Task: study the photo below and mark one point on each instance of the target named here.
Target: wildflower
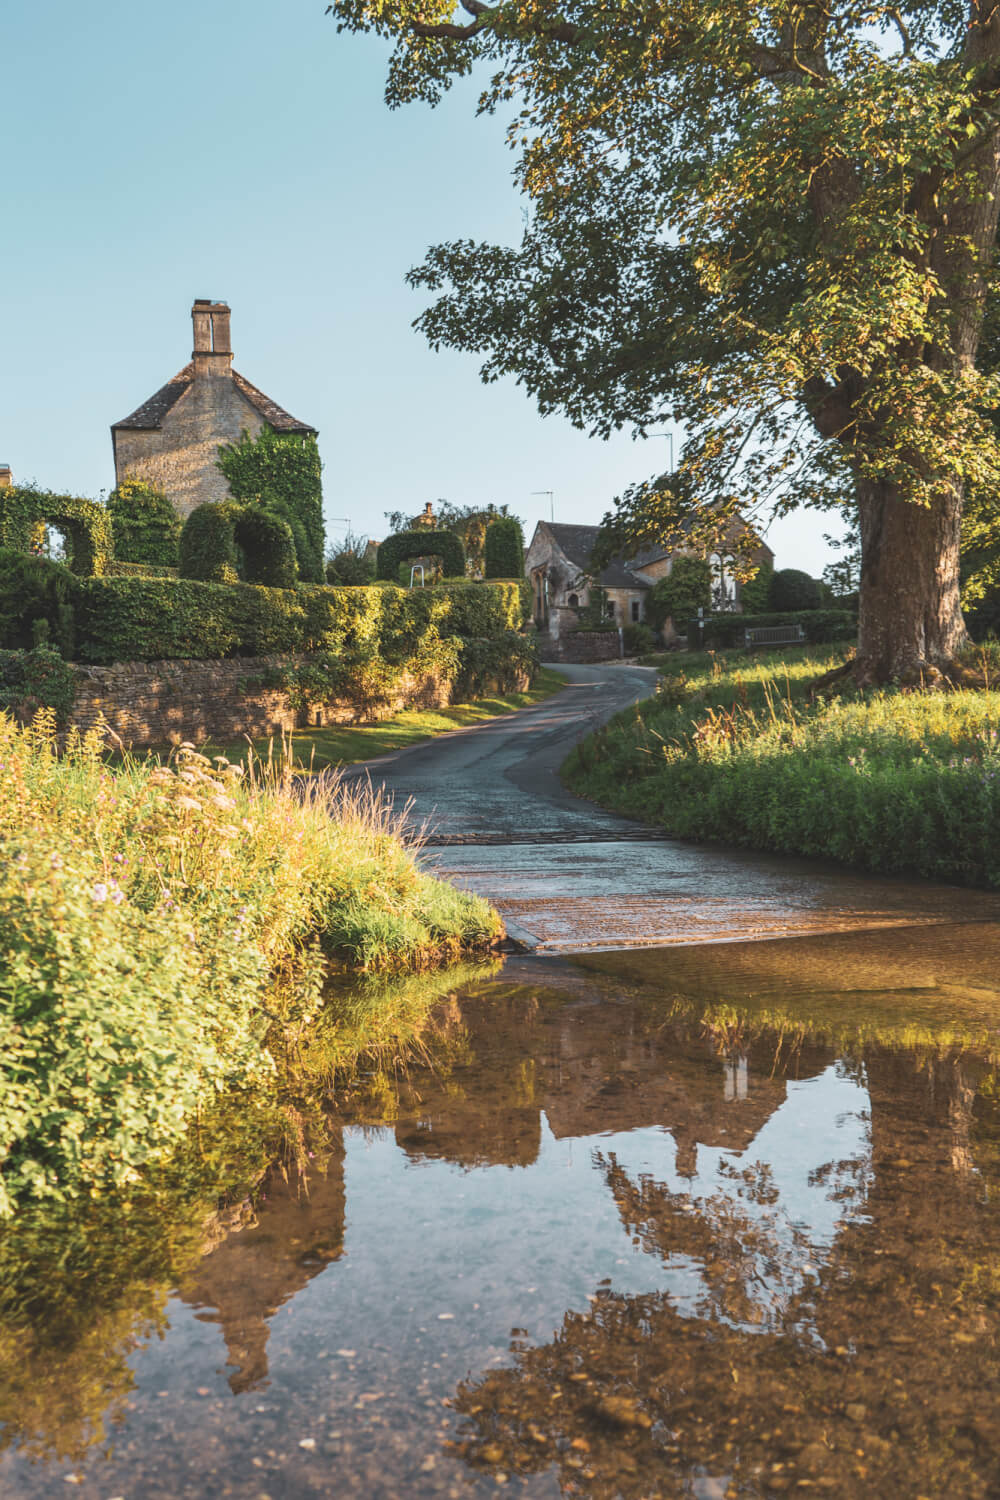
(100, 892)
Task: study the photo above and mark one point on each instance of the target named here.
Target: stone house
(557, 563)
(172, 440)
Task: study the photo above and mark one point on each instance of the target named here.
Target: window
(610, 609)
(573, 601)
(635, 611)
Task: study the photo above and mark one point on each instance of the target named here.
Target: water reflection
(712, 1222)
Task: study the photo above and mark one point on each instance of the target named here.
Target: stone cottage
(558, 564)
(172, 440)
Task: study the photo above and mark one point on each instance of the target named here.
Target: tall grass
(158, 921)
(737, 750)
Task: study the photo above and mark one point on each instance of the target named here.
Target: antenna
(552, 502)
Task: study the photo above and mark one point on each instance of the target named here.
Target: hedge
(157, 619)
(224, 542)
(85, 525)
(37, 603)
(503, 549)
(280, 472)
(819, 625)
(145, 525)
(423, 542)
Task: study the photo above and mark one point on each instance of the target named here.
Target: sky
(241, 150)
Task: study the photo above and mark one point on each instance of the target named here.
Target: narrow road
(568, 876)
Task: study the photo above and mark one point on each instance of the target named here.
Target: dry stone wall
(581, 646)
(163, 702)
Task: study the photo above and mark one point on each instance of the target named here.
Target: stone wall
(163, 702)
(581, 646)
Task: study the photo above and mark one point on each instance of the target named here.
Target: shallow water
(707, 1222)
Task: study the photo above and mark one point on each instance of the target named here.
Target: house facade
(557, 563)
(172, 440)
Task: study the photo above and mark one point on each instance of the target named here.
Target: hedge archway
(25, 511)
(403, 545)
(223, 543)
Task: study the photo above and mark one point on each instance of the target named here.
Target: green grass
(338, 745)
(734, 748)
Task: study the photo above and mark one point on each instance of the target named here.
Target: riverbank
(733, 748)
(162, 925)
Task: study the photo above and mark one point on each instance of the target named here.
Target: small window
(573, 601)
(610, 611)
(635, 611)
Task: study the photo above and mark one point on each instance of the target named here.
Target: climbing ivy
(224, 543)
(281, 473)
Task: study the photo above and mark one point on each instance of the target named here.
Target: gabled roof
(151, 413)
(577, 543)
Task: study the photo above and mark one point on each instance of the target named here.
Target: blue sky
(241, 150)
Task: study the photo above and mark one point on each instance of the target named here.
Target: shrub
(819, 625)
(423, 542)
(281, 472)
(37, 599)
(503, 549)
(25, 512)
(223, 543)
(144, 524)
(755, 593)
(686, 589)
(638, 640)
(791, 589)
(496, 665)
(39, 678)
(353, 563)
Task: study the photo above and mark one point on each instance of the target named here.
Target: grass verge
(732, 748)
(346, 744)
(160, 923)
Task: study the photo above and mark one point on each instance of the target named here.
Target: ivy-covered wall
(281, 472)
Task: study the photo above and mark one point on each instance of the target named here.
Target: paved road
(568, 876)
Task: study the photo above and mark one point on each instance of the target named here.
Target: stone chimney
(213, 352)
(6, 477)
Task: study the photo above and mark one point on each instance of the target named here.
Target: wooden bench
(774, 635)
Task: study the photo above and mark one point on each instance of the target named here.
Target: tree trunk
(910, 619)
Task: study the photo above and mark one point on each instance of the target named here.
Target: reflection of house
(558, 564)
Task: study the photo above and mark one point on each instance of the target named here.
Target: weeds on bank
(158, 921)
(736, 749)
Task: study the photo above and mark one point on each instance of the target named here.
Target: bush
(224, 543)
(638, 640)
(756, 592)
(791, 589)
(280, 472)
(496, 665)
(37, 599)
(353, 564)
(25, 512)
(423, 542)
(686, 589)
(144, 524)
(503, 549)
(40, 678)
(819, 625)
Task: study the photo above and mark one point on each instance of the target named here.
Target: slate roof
(577, 543)
(151, 413)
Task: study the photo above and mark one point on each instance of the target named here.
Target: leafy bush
(26, 511)
(755, 593)
(353, 563)
(280, 472)
(496, 665)
(162, 928)
(820, 625)
(144, 524)
(225, 543)
(39, 678)
(638, 640)
(503, 549)
(791, 589)
(892, 782)
(686, 589)
(118, 569)
(36, 602)
(423, 542)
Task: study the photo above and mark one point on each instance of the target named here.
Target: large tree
(772, 222)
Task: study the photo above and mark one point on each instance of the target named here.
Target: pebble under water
(715, 1221)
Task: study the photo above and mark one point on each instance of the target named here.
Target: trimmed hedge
(26, 511)
(158, 619)
(37, 599)
(280, 472)
(145, 526)
(791, 589)
(503, 549)
(819, 625)
(226, 543)
(423, 542)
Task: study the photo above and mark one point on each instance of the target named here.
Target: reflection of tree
(875, 1374)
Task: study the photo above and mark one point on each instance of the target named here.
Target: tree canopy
(773, 224)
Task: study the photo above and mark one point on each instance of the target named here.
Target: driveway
(567, 876)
